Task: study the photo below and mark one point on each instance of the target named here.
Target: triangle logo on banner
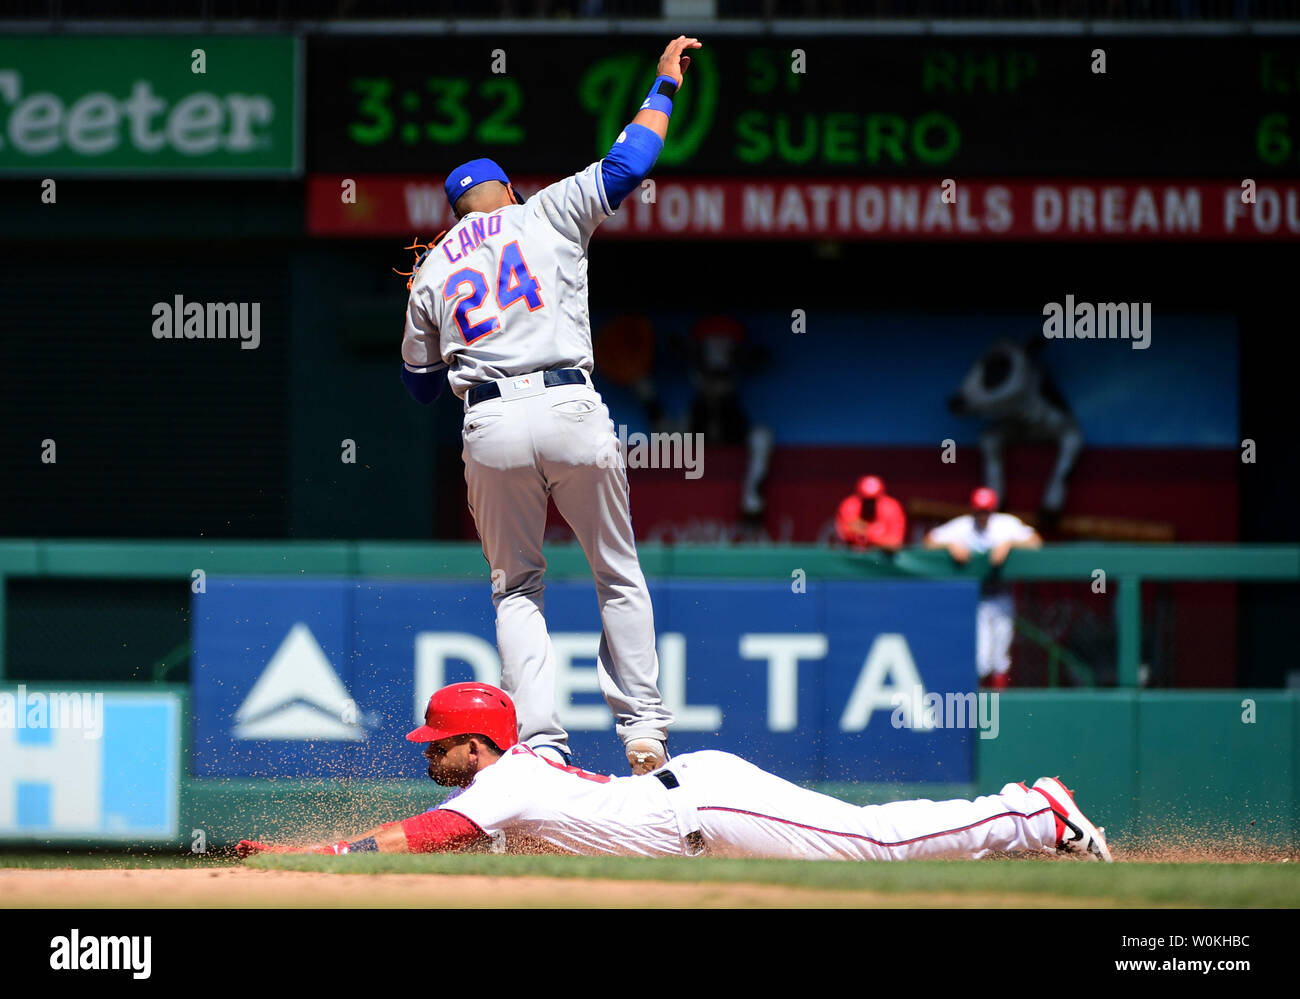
(299, 697)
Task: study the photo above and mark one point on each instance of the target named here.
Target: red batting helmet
(984, 498)
(870, 486)
(469, 709)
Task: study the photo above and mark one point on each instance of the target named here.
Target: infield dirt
(239, 887)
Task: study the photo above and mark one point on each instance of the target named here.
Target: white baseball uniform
(503, 298)
(995, 616)
(727, 807)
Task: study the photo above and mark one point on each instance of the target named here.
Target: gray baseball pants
(560, 442)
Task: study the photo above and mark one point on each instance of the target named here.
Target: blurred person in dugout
(985, 530)
(870, 518)
(721, 354)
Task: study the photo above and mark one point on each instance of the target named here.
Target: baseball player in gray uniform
(499, 306)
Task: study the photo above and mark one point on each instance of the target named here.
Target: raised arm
(576, 205)
(638, 146)
(672, 67)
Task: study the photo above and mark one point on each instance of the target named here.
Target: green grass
(1237, 885)
(1140, 884)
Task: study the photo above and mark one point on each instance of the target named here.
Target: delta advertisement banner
(814, 681)
(855, 208)
(147, 105)
(89, 764)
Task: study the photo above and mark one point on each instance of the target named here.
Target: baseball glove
(422, 251)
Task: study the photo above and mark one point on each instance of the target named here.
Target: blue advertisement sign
(89, 765)
(832, 681)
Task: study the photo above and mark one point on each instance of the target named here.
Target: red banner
(857, 209)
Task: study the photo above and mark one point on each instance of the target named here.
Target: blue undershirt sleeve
(629, 159)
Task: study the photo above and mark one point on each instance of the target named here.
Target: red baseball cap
(984, 498)
(870, 486)
(469, 709)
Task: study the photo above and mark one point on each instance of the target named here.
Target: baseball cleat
(645, 755)
(1079, 836)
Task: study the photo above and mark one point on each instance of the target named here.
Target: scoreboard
(822, 105)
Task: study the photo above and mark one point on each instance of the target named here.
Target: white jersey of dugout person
(1002, 528)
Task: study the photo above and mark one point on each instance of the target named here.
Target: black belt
(695, 840)
(562, 376)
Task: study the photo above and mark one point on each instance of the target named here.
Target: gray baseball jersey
(505, 293)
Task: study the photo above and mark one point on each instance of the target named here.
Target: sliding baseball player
(700, 803)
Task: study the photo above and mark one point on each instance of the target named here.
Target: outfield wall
(1161, 766)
